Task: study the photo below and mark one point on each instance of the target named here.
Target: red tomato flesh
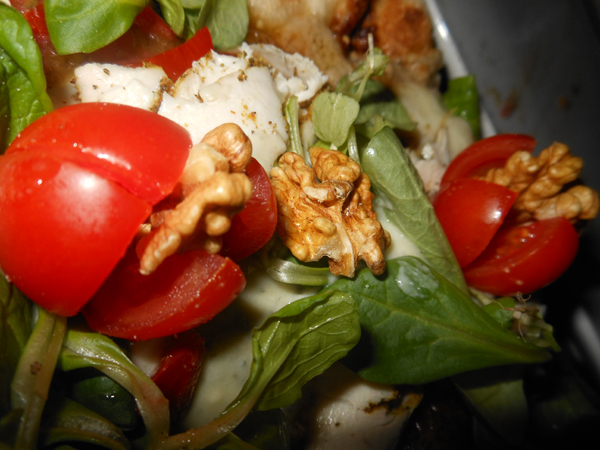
(485, 154)
(179, 59)
(63, 228)
(254, 226)
(470, 212)
(179, 369)
(524, 258)
(140, 150)
(186, 290)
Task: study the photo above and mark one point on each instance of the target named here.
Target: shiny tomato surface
(254, 226)
(524, 258)
(186, 290)
(470, 212)
(485, 154)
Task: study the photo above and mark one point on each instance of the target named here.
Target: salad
(220, 231)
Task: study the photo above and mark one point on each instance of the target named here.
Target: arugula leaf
(333, 114)
(15, 329)
(292, 346)
(422, 328)
(87, 25)
(172, 11)
(23, 96)
(395, 178)
(227, 20)
(86, 349)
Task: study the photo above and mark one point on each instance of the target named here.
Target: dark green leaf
(292, 346)
(87, 25)
(23, 96)
(395, 178)
(421, 327)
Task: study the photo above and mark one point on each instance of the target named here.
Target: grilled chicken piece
(314, 28)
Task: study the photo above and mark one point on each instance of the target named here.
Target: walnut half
(332, 217)
(540, 183)
(211, 190)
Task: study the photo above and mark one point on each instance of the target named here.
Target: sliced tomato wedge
(140, 150)
(524, 258)
(179, 369)
(185, 291)
(179, 59)
(254, 226)
(485, 154)
(470, 212)
(63, 228)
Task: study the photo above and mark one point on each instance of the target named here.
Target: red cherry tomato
(63, 228)
(74, 188)
(185, 291)
(138, 149)
(179, 59)
(524, 258)
(179, 369)
(470, 212)
(252, 228)
(485, 154)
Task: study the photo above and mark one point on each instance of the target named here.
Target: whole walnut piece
(210, 191)
(332, 216)
(540, 182)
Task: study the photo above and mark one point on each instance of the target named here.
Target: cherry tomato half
(485, 154)
(74, 188)
(254, 226)
(186, 290)
(470, 212)
(63, 228)
(140, 150)
(524, 258)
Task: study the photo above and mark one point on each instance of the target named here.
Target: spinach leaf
(333, 114)
(292, 346)
(356, 81)
(15, 329)
(462, 100)
(87, 25)
(23, 96)
(420, 327)
(291, 116)
(395, 178)
(172, 11)
(227, 20)
(83, 349)
(31, 383)
(374, 116)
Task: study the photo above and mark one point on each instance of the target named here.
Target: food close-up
(280, 224)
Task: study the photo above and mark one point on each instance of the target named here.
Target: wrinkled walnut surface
(330, 216)
(210, 191)
(540, 182)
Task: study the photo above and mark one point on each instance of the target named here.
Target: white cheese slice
(141, 86)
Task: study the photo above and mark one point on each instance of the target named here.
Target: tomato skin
(524, 258)
(186, 290)
(140, 150)
(59, 237)
(254, 226)
(179, 59)
(491, 152)
(179, 369)
(470, 212)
